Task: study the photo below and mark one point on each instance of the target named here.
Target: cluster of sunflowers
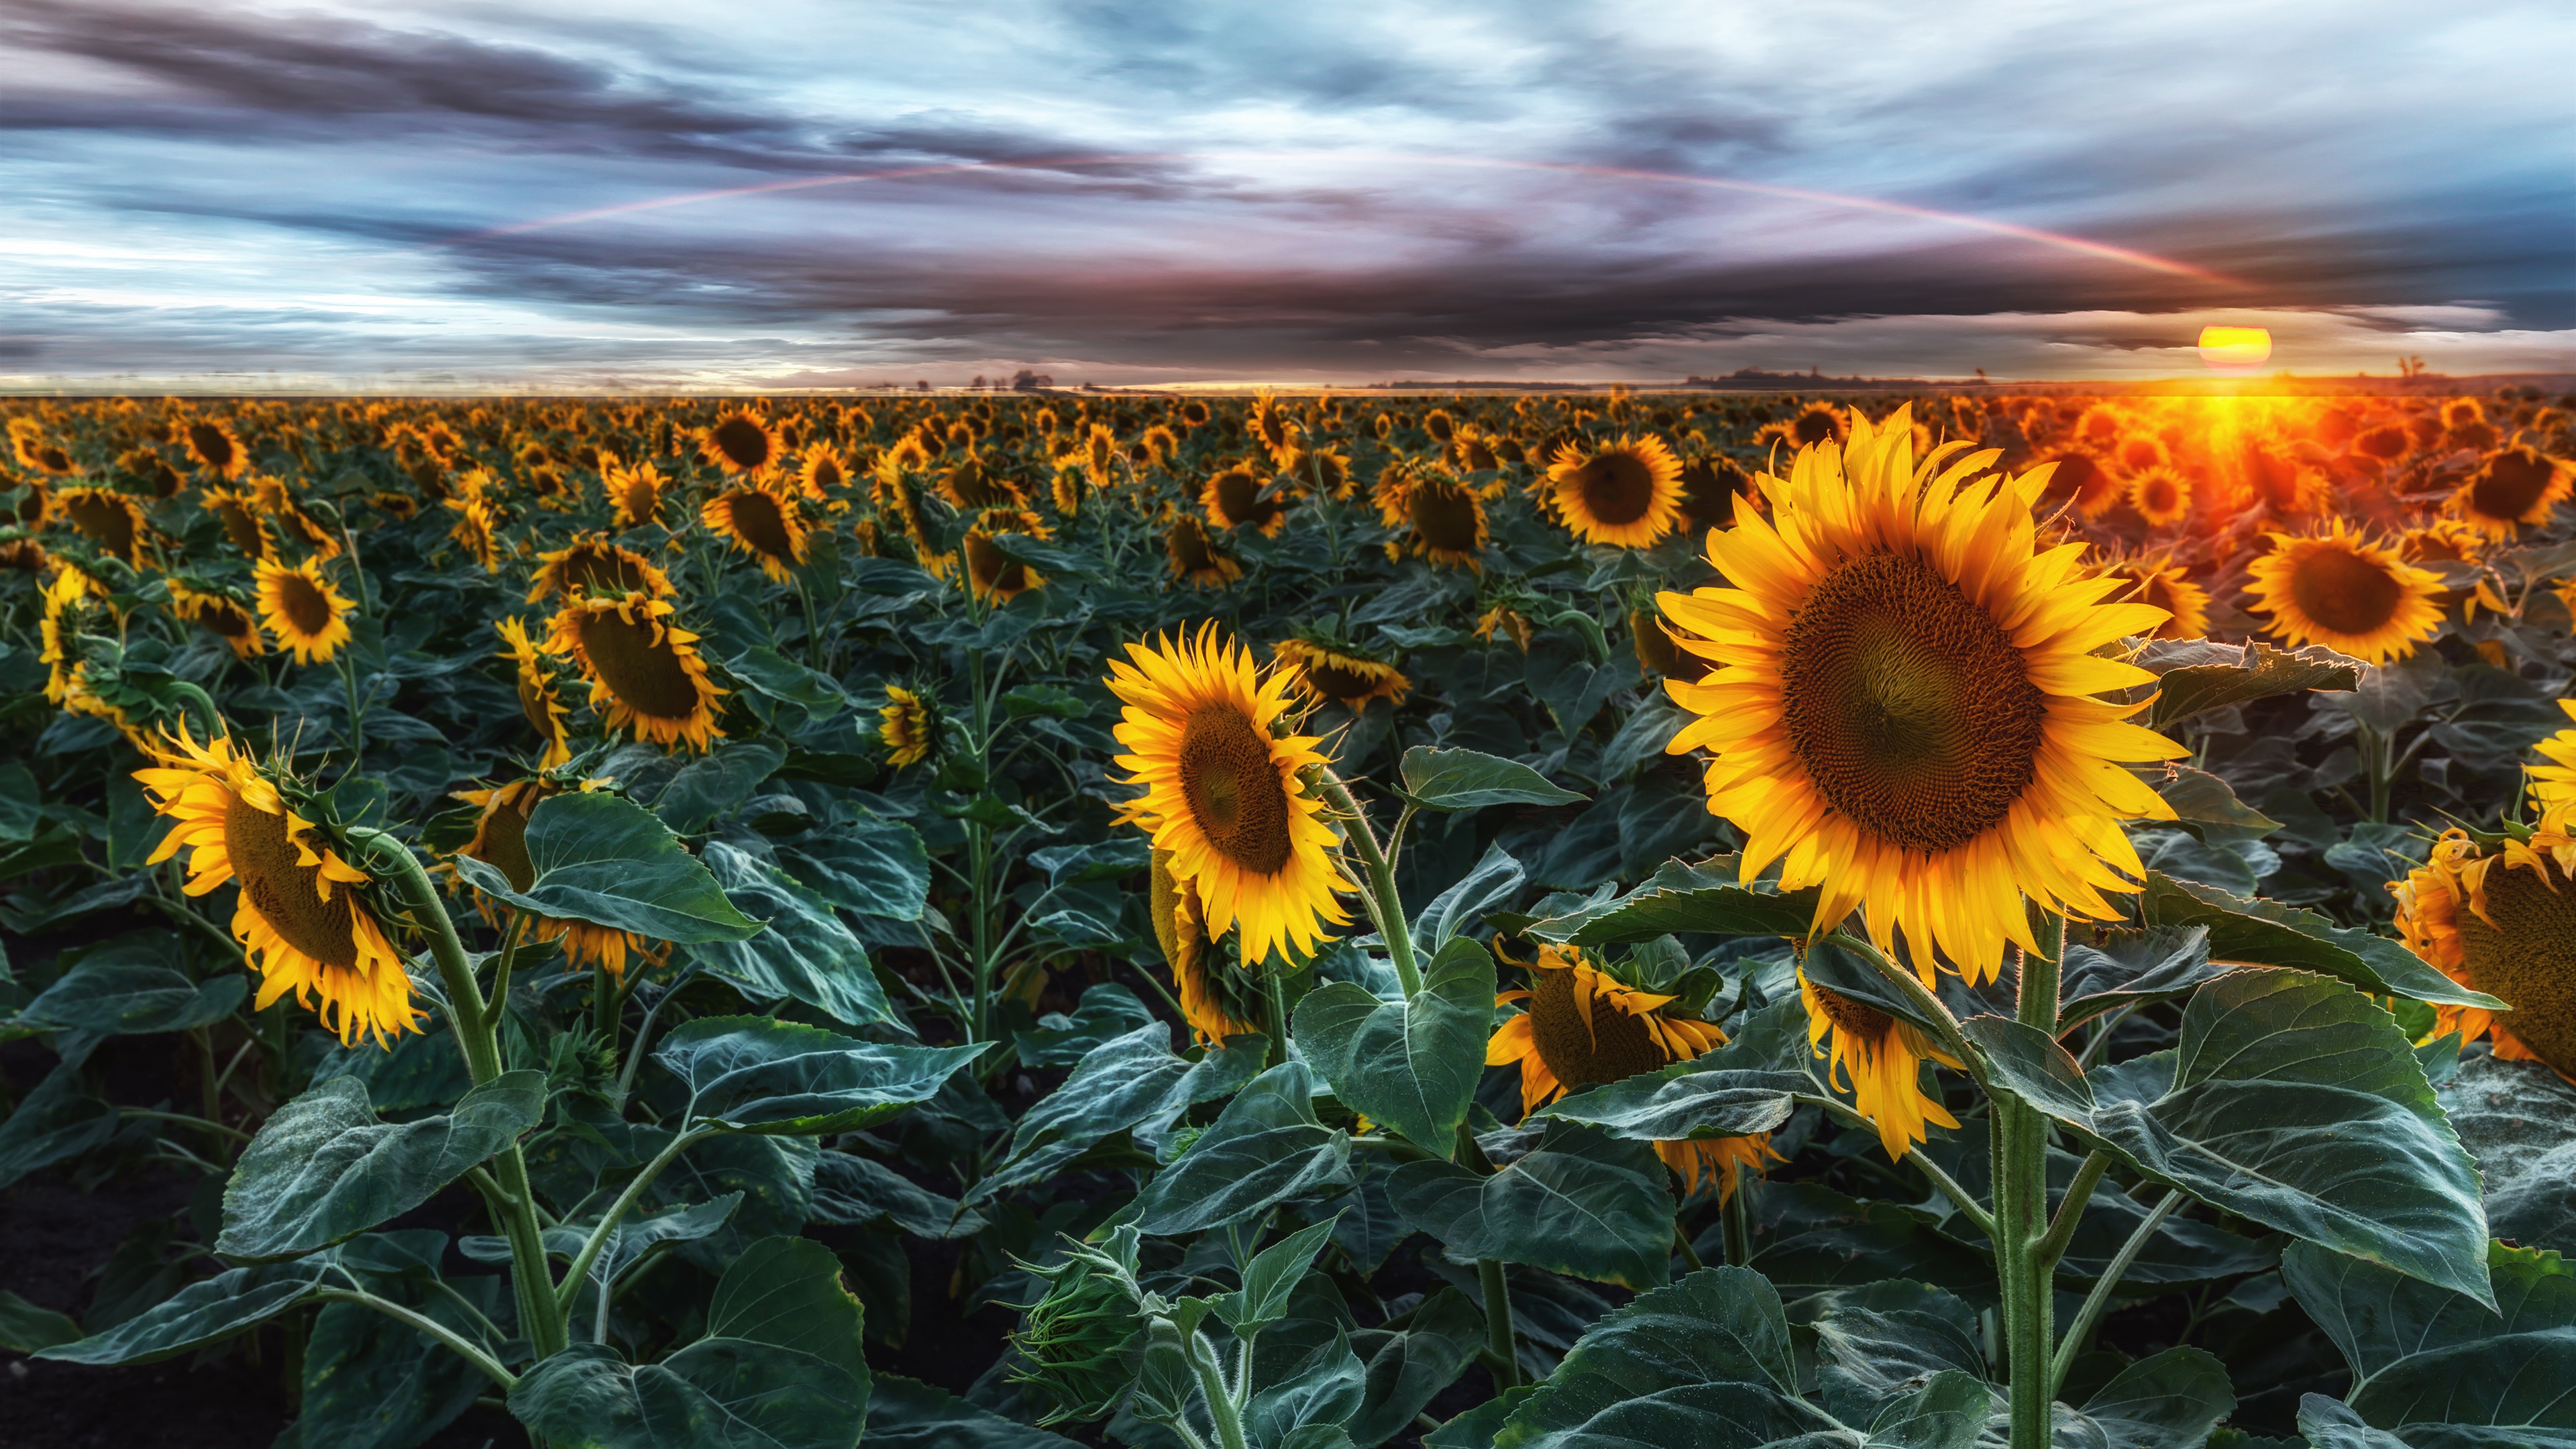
(1951, 685)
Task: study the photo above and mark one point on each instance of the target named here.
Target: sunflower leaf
(1737, 1089)
(1411, 1065)
(2258, 932)
(1682, 899)
(607, 861)
(2421, 1355)
(1584, 1204)
(2197, 676)
(806, 953)
(1266, 1147)
(199, 1314)
(1470, 780)
(760, 1075)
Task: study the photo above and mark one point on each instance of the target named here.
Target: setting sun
(2235, 349)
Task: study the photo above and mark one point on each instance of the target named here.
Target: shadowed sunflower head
(2077, 478)
(642, 667)
(970, 487)
(38, 450)
(1438, 516)
(538, 703)
(1225, 791)
(2444, 540)
(635, 493)
(242, 527)
(1627, 493)
(2511, 488)
(760, 521)
(303, 913)
(2501, 918)
(1215, 1003)
(111, 520)
(214, 447)
(995, 576)
(908, 726)
(742, 443)
(1879, 1060)
(500, 841)
(220, 614)
(1905, 712)
(1340, 672)
(476, 530)
(2340, 589)
(1234, 498)
(593, 564)
(309, 617)
(1194, 556)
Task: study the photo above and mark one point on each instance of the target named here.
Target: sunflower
(1438, 516)
(742, 443)
(2444, 540)
(1224, 793)
(1581, 1027)
(474, 530)
(636, 494)
(1317, 471)
(1815, 423)
(220, 614)
(1906, 715)
(2078, 479)
(1270, 426)
(761, 522)
(1627, 493)
(1098, 456)
(302, 913)
(111, 520)
(994, 576)
(2499, 918)
(1210, 1001)
(1234, 498)
(37, 451)
(2161, 495)
(309, 617)
(2512, 487)
(1335, 671)
(66, 589)
(1710, 486)
(1505, 620)
(501, 842)
(1194, 555)
(277, 501)
(536, 685)
(1474, 450)
(907, 725)
(2339, 589)
(1879, 1060)
(2165, 586)
(592, 564)
(216, 448)
(1656, 651)
(240, 518)
(823, 472)
(641, 668)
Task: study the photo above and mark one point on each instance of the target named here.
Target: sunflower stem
(423, 1323)
(2025, 1270)
(1503, 1363)
(2100, 1297)
(1385, 907)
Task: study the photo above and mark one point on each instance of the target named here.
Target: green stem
(1385, 907)
(2019, 1137)
(2070, 1211)
(1504, 1364)
(608, 1221)
(235, 1133)
(2100, 1298)
(1948, 1186)
(425, 1324)
(1689, 1254)
(1213, 1388)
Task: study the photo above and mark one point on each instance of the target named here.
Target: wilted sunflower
(475, 530)
(1194, 556)
(302, 914)
(242, 528)
(1340, 673)
(538, 702)
(2341, 590)
(2512, 487)
(742, 443)
(1627, 493)
(1211, 1000)
(907, 725)
(501, 842)
(636, 493)
(1905, 716)
(1582, 1027)
(992, 575)
(594, 564)
(1438, 516)
(309, 617)
(2165, 586)
(111, 520)
(1225, 794)
(763, 523)
(823, 472)
(642, 668)
(1879, 1059)
(220, 614)
(2495, 913)
(1507, 621)
(2161, 495)
(215, 447)
(1234, 498)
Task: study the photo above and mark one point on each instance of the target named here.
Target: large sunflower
(2512, 487)
(220, 614)
(109, 519)
(302, 913)
(1270, 426)
(1345, 676)
(2500, 918)
(535, 682)
(1581, 1027)
(1627, 493)
(823, 472)
(1905, 716)
(215, 447)
(1437, 516)
(907, 725)
(1224, 791)
(1879, 1060)
(1210, 1000)
(309, 617)
(763, 523)
(1194, 556)
(501, 842)
(742, 443)
(642, 668)
(594, 564)
(2339, 589)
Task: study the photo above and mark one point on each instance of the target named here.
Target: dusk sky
(560, 194)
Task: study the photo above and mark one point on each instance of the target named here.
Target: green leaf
(59, 1120)
(758, 1074)
(1107, 1011)
(128, 987)
(2208, 803)
(1413, 1066)
(873, 866)
(21, 804)
(2130, 968)
(1269, 1279)
(198, 1315)
(1741, 1088)
(909, 1414)
(2291, 1100)
(2327, 1424)
(787, 1292)
(2170, 1400)
(2519, 1120)
(785, 680)
(1703, 1362)
(1052, 701)
(1407, 1368)
(323, 1169)
(1582, 1204)
(1681, 899)
(2197, 676)
(806, 953)
(1265, 1148)
(1470, 780)
(853, 1191)
(2422, 1356)
(1306, 1407)
(26, 1328)
(1809, 1238)
(717, 1391)
(1131, 1082)
(608, 861)
(1877, 1344)
(373, 1382)
(2267, 933)
(717, 783)
(1495, 880)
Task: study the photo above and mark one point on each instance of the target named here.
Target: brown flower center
(105, 522)
(828, 474)
(1239, 500)
(1189, 546)
(210, 444)
(1855, 1021)
(642, 670)
(1616, 487)
(223, 618)
(502, 843)
(303, 604)
(995, 571)
(1611, 1046)
(2509, 485)
(1907, 703)
(1233, 788)
(1340, 682)
(758, 520)
(287, 894)
(2528, 957)
(1813, 426)
(240, 527)
(1444, 518)
(599, 568)
(643, 500)
(2343, 591)
(744, 443)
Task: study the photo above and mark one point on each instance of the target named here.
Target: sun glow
(2235, 349)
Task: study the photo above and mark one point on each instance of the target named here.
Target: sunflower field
(1291, 922)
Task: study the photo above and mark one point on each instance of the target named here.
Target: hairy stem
(1385, 907)
(2100, 1298)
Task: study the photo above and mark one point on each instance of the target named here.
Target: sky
(577, 194)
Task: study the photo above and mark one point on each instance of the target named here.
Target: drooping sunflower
(1194, 556)
(1439, 517)
(215, 447)
(242, 528)
(2162, 496)
(1582, 1027)
(2340, 589)
(109, 519)
(1879, 1060)
(970, 486)
(2165, 586)
(1211, 1000)
(594, 564)
(1224, 791)
(2512, 487)
(221, 615)
(309, 617)
(2496, 914)
(1627, 494)
(501, 842)
(538, 702)
(642, 668)
(994, 576)
(742, 443)
(908, 726)
(303, 916)
(278, 503)
(1905, 716)
(761, 522)
(1234, 498)
(476, 530)
(1507, 621)
(636, 494)
(1336, 671)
